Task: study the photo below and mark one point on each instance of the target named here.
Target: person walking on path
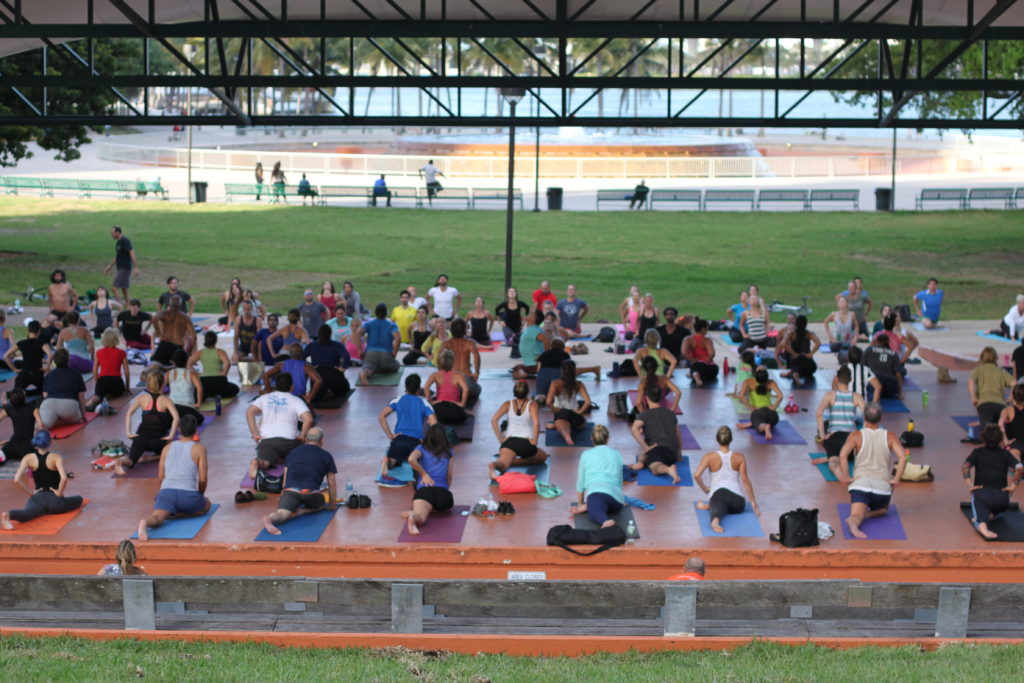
(124, 264)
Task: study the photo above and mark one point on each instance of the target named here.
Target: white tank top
(519, 425)
(872, 467)
(726, 477)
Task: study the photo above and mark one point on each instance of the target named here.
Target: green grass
(695, 261)
(70, 659)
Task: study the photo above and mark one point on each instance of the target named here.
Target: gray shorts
(122, 279)
(54, 411)
(276, 449)
(380, 361)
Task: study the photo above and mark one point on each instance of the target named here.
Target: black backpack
(798, 528)
(606, 335)
(912, 439)
(564, 536)
(268, 483)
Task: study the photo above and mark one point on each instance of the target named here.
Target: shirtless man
(62, 297)
(873, 481)
(464, 350)
(174, 330)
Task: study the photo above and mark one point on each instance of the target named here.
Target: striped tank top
(843, 416)
(757, 328)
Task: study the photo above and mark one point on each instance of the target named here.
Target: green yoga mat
(390, 379)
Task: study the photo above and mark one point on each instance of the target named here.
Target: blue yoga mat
(995, 337)
(181, 529)
(823, 467)
(724, 336)
(645, 478)
(306, 528)
(744, 525)
(581, 437)
(402, 473)
(783, 434)
(893, 405)
(6, 374)
(964, 420)
(921, 328)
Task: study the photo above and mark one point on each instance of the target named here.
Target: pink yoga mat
(444, 527)
(276, 470)
(64, 431)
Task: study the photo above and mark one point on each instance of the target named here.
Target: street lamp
(512, 96)
(539, 51)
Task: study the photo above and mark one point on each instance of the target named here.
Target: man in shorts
(657, 432)
(277, 434)
(873, 479)
(429, 173)
(305, 470)
(62, 298)
(175, 331)
(183, 464)
(411, 411)
(124, 263)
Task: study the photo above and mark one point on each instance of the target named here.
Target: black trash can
(883, 199)
(198, 192)
(554, 199)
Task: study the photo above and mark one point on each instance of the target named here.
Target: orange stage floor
(941, 545)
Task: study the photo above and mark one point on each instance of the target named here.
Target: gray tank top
(182, 391)
(179, 471)
(844, 330)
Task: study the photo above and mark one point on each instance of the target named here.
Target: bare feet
(768, 432)
(636, 467)
(608, 523)
(855, 528)
(269, 526)
(411, 523)
(492, 470)
(5, 521)
(985, 531)
(568, 439)
(716, 526)
(119, 468)
(253, 469)
(143, 531)
(701, 505)
(696, 379)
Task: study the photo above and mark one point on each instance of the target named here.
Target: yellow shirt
(404, 318)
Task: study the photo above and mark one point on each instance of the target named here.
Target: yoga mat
(666, 401)
(744, 525)
(1008, 526)
(646, 478)
(390, 379)
(181, 529)
(495, 374)
(964, 420)
(6, 374)
(687, 440)
(540, 470)
(893, 405)
(995, 337)
(332, 403)
(910, 385)
(922, 328)
(465, 430)
(8, 469)
(47, 525)
(247, 482)
(210, 405)
(142, 470)
(682, 378)
(307, 528)
(582, 338)
(441, 527)
(739, 406)
(488, 348)
(402, 473)
(783, 434)
(207, 421)
(622, 519)
(64, 431)
(581, 437)
(825, 348)
(823, 467)
(497, 336)
(885, 528)
(724, 336)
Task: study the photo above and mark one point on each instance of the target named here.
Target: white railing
(567, 167)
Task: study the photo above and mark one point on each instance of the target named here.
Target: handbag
(250, 372)
(268, 483)
(798, 528)
(517, 482)
(606, 538)
(547, 490)
(618, 404)
(914, 472)
(913, 439)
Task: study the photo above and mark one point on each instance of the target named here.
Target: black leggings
(142, 444)
(803, 366)
(449, 413)
(764, 416)
(707, 371)
(189, 410)
(725, 502)
(834, 442)
(46, 502)
(332, 380)
(988, 502)
(988, 413)
(218, 385)
(754, 343)
(29, 378)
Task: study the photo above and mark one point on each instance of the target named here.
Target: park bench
(448, 194)
(52, 185)
(14, 183)
(991, 194)
(729, 197)
(277, 192)
(144, 187)
(830, 608)
(958, 195)
(1018, 198)
(488, 194)
(800, 197)
(830, 196)
(121, 188)
(344, 192)
(675, 197)
(232, 190)
(615, 196)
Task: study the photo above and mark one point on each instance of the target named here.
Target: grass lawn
(696, 261)
(75, 659)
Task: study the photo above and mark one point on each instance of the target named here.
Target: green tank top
(760, 400)
(212, 366)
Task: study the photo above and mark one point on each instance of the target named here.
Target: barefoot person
(728, 471)
(763, 396)
(61, 297)
(599, 480)
(569, 400)
(174, 330)
(467, 359)
(699, 351)
(305, 470)
(657, 432)
(519, 440)
(873, 480)
(182, 474)
(992, 486)
(278, 432)
(46, 492)
(928, 303)
(159, 420)
(432, 463)
(412, 412)
(842, 406)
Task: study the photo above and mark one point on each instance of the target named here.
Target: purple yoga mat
(444, 527)
(247, 483)
(143, 470)
(783, 434)
(885, 528)
(687, 440)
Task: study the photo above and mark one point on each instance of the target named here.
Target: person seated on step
(450, 401)
(113, 374)
(800, 345)
(648, 376)
(411, 411)
(657, 431)
(35, 355)
(467, 359)
(699, 351)
(569, 400)
(305, 470)
(291, 333)
(185, 388)
(693, 570)
(216, 365)
(262, 350)
(842, 406)
(532, 342)
(873, 479)
(156, 427)
(404, 315)
(382, 343)
(278, 432)
(518, 436)
(672, 334)
(928, 303)
(183, 478)
(571, 311)
(329, 360)
(432, 463)
(63, 395)
(987, 387)
(887, 381)
(306, 381)
(993, 483)
(664, 360)
(174, 330)
(647, 319)
(77, 339)
(736, 312)
(729, 481)
(23, 425)
(46, 490)
(599, 481)
(762, 395)
(1011, 422)
(1012, 324)
(124, 564)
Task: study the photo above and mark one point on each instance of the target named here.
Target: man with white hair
(1012, 324)
(305, 470)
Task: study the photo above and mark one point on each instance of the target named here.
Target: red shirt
(686, 576)
(110, 359)
(540, 297)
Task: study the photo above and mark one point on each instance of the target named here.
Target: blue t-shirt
(569, 312)
(410, 411)
(380, 187)
(63, 383)
(307, 466)
(297, 369)
(737, 312)
(931, 304)
(380, 335)
(436, 467)
(329, 355)
(261, 339)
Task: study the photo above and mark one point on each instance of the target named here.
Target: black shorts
(764, 416)
(520, 446)
(291, 500)
(874, 501)
(164, 351)
(890, 387)
(275, 449)
(110, 387)
(663, 454)
(439, 497)
(401, 447)
(575, 420)
(834, 443)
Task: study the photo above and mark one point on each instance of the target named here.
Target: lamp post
(538, 51)
(512, 96)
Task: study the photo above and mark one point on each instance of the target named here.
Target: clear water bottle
(216, 403)
(492, 504)
(349, 489)
(631, 534)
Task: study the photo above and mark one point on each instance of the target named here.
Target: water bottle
(216, 403)
(910, 425)
(631, 534)
(492, 505)
(924, 398)
(725, 367)
(349, 489)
